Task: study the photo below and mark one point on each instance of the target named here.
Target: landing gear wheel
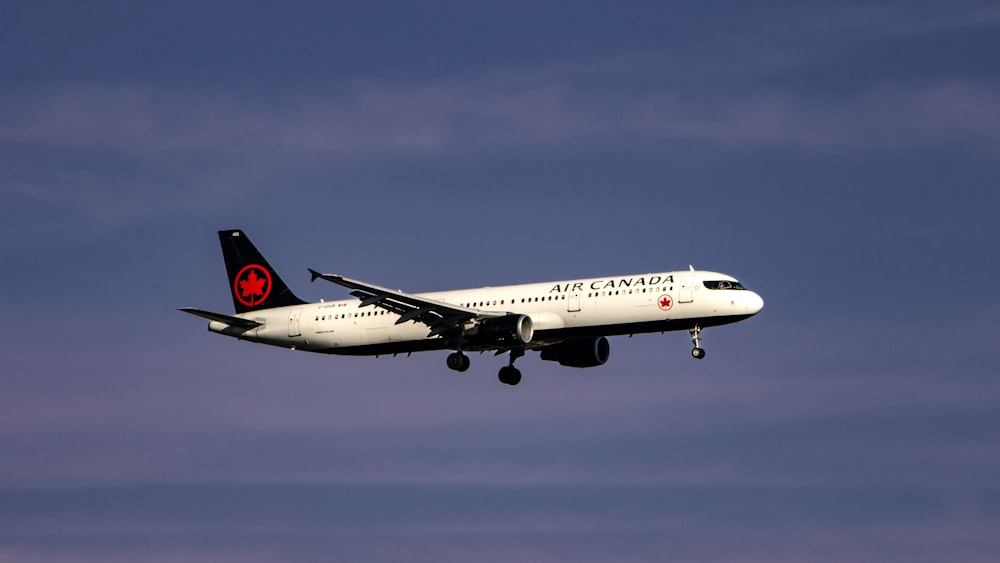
(458, 361)
(509, 375)
(515, 376)
(697, 352)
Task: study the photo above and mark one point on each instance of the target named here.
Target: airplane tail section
(252, 281)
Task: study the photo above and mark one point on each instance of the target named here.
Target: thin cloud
(66, 145)
(118, 153)
(188, 151)
(344, 420)
(460, 117)
(456, 523)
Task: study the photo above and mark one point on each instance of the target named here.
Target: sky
(840, 158)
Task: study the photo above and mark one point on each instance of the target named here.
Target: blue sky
(839, 158)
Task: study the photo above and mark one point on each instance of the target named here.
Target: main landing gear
(508, 374)
(458, 361)
(697, 352)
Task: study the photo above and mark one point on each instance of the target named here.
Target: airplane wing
(441, 317)
(238, 322)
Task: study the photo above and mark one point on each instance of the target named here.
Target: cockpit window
(723, 284)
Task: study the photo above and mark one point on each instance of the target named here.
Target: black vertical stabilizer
(252, 281)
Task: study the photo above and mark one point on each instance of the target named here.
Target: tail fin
(252, 281)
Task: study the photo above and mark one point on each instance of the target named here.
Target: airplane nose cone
(754, 302)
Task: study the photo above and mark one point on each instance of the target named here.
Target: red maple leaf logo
(665, 302)
(252, 286)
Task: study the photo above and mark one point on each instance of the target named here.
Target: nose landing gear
(697, 352)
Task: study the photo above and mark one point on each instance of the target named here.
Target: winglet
(328, 277)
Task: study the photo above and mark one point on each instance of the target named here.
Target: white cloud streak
(472, 115)
(120, 152)
(190, 151)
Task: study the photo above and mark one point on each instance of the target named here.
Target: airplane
(568, 322)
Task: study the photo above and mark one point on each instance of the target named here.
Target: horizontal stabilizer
(225, 319)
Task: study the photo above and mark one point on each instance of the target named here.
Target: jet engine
(579, 352)
(508, 330)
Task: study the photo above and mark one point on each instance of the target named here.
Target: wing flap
(441, 317)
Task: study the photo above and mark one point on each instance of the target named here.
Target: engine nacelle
(508, 330)
(579, 352)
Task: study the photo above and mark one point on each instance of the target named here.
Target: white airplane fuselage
(567, 321)
(606, 306)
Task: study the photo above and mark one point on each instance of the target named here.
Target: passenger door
(293, 322)
(687, 285)
(573, 302)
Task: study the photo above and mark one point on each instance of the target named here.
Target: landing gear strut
(458, 361)
(697, 352)
(510, 374)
